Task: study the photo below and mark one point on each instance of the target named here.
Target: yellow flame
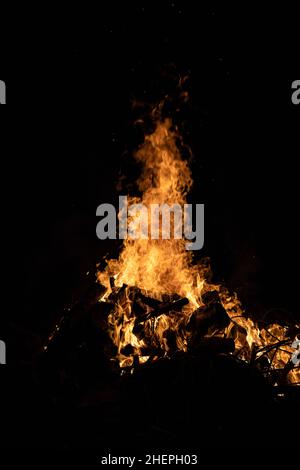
(164, 266)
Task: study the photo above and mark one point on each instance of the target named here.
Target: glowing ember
(163, 270)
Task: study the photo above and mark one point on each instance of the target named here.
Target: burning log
(170, 337)
(135, 294)
(165, 308)
(175, 306)
(112, 282)
(213, 314)
(116, 292)
(139, 309)
(145, 300)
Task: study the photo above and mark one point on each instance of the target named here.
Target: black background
(73, 83)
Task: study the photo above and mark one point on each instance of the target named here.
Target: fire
(159, 266)
(164, 271)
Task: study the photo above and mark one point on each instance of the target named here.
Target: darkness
(77, 82)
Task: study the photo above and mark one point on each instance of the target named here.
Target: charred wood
(166, 308)
(211, 315)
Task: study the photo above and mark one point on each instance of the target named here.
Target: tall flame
(159, 266)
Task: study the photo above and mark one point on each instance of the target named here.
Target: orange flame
(164, 267)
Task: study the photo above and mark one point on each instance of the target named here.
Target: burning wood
(211, 315)
(166, 308)
(162, 301)
(155, 301)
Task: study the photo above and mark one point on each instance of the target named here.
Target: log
(138, 308)
(210, 296)
(165, 308)
(116, 292)
(212, 315)
(135, 293)
(149, 301)
(175, 306)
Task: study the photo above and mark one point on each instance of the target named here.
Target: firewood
(149, 301)
(112, 282)
(138, 308)
(175, 306)
(210, 296)
(166, 308)
(116, 292)
(211, 315)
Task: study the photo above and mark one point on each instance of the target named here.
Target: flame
(159, 266)
(164, 268)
